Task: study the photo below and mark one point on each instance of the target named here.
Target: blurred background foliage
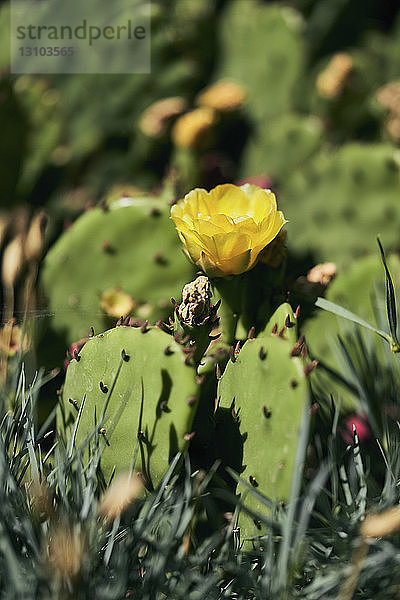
(300, 96)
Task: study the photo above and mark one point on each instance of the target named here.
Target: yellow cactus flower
(225, 230)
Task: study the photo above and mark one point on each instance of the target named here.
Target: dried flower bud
(332, 79)
(13, 260)
(196, 302)
(156, 118)
(223, 96)
(124, 489)
(191, 129)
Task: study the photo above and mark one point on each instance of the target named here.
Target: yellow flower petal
(225, 230)
(192, 248)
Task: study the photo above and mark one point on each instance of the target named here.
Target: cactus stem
(274, 329)
(91, 332)
(103, 433)
(74, 403)
(103, 387)
(266, 412)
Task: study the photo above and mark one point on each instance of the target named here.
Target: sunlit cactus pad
(132, 245)
(151, 395)
(266, 389)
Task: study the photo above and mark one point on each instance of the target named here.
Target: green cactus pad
(155, 392)
(132, 245)
(342, 201)
(297, 138)
(262, 48)
(266, 388)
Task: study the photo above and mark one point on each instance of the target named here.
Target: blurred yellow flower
(225, 230)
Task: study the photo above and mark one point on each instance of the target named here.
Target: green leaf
(390, 297)
(347, 314)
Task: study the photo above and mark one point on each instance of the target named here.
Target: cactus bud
(196, 302)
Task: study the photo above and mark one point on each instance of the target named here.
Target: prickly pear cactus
(262, 48)
(297, 138)
(338, 205)
(265, 388)
(131, 247)
(139, 378)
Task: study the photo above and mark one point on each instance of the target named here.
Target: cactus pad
(150, 407)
